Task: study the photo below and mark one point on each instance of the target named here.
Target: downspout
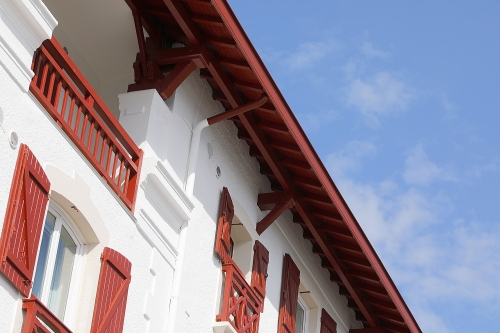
(176, 281)
(195, 140)
(193, 156)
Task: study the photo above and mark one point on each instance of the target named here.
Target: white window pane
(48, 230)
(300, 318)
(62, 273)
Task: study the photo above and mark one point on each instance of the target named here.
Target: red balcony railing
(38, 318)
(240, 304)
(72, 102)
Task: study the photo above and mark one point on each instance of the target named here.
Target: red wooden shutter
(289, 295)
(328, 325)
(28, 198)
(223, 236)
(112, 291)
(259, 268)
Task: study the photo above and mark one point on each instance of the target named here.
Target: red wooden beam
(277, 202)
(196, 53)
(167, 86)
(236, 111)
(183, 18)
(233, 63)
(274, 94)
(206, 19)
(367, 330)
(272, 216)
(233, 99)
(280, 173)
(146, 20)
(267, 201)
(140, 40)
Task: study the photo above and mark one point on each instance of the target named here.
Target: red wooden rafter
(315, 211)
(233, 98)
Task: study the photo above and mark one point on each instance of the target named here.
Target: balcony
(240, 304)
(40, 319)
(75, 106)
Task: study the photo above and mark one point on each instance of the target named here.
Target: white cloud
(421, 171)
(371, 52)
(349, 158)
(435, 260)
(314, 121)
(430, 322)
(383, 94)
(449, 107)
(309, 53)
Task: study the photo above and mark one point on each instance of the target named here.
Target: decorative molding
(14, 66)
(25, 24)
(151, 231)
(31, 18)
(175, 186)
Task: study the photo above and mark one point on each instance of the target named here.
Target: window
(59, 247)
(301, 316)
(58, 262)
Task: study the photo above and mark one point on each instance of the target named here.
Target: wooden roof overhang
(216, 43)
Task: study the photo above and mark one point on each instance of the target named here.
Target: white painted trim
(32, 19)
(223, 327)
(26, 24)
(150, 231)
(154, 188)
(176, 280)
(175, 187)
(63, 219)
(14, 66)
(307, 311)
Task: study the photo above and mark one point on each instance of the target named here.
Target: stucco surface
(23, 115)
(165, 135)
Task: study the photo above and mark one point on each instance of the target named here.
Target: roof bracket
(277, 202)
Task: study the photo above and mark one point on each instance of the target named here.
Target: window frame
(63, 219)
(303, 305)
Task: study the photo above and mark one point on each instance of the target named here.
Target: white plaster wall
(240, 173)
(101, 40)
(154, 255)
(21, 113)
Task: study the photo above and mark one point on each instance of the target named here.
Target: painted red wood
(26, 208)
(112, 291)
(289, 296)
(259, 268)
(223, 236)
(38, 317)
(240, 304)
(328, 325)
(72, 102)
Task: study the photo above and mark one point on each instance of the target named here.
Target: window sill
(223, 327)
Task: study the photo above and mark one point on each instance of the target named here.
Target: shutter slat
(223, 235)
(289, 296)
(259, 269)
(112, 291)
(24, 217)
(328, 325)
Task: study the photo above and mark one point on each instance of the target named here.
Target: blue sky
(401, 101)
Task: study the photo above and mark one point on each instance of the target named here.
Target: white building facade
(153, 179)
